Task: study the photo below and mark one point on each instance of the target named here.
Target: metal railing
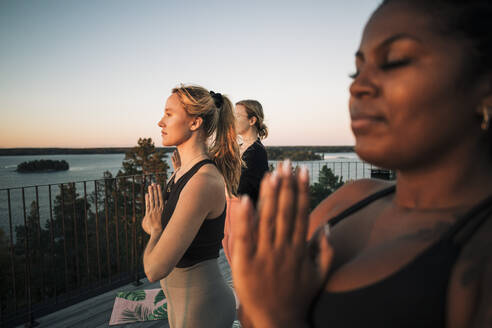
(66, 242)
(347, 170)
(62, 243)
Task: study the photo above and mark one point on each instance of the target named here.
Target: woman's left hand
(154, 206)
(275, 273)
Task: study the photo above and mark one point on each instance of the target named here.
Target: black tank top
(413, 296)
(207, 242)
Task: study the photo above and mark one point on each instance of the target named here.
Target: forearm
(151, 267)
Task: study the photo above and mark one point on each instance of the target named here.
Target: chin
(377, 155)
(167, 143)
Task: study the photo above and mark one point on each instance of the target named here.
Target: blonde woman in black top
(186, 222)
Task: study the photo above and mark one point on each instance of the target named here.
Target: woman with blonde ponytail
(186, 221)
(251, 128)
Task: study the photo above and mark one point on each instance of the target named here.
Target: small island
(43, 165)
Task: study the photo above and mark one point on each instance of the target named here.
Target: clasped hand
(154, 206)
(275, 273)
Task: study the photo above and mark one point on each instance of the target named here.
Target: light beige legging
(198, 296)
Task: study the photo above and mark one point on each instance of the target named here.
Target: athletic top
(207, 242)
(413, 296)
(256, 160)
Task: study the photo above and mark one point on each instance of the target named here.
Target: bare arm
(166, 247)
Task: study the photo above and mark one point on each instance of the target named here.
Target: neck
(190, 152)
(250, 136)
(461, 179)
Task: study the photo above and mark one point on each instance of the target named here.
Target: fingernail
(274, 178)
(303, 173)
(244, 199)
(326, 230)
(286, 167)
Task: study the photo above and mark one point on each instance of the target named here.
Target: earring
(486, 118)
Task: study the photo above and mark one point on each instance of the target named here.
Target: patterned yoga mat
(139, 305)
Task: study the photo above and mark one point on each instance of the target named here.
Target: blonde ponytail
(219, 125)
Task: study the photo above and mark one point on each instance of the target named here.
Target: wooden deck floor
(96, 312)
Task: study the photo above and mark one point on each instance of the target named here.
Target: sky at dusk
(97, 73)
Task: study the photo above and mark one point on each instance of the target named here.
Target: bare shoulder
(344, 197)
(206, 180)
(206, 189)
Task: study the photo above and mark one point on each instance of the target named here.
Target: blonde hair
(254, 109)
(218, 123)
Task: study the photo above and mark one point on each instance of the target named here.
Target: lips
(363, 122)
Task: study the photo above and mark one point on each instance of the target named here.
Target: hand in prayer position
(154, 206)
(277, 273)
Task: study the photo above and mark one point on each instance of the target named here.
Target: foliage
(328, 183)
(277, 154)
(159, 297)
(159, 313)
(137, 295)
(144, 159)
(42, 165)
(141, 313)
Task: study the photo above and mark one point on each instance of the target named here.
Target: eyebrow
(359, 54)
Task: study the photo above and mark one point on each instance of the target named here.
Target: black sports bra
(207, 242)
(413, 296)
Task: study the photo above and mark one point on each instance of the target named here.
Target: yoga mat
(139, 305)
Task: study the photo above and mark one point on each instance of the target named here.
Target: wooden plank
(96, 312)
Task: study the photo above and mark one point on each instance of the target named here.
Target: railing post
(106, 211)
(30, 320)
(75, 234)
(98, 252)
(62, 193)
(12, 256)
(116, 225)
(52, 246)
(86, 235)
(40, 249)
(137, 281)
(125, 220)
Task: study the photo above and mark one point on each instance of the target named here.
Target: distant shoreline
(122, 150)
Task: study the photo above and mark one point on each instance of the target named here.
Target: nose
(363, 85)
(161, 123)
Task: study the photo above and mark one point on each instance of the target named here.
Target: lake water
(92, 167)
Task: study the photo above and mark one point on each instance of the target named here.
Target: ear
(252, 120)
(196, 123)
(486, 102)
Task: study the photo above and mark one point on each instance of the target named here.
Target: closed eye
(395, 64)
(354, 74)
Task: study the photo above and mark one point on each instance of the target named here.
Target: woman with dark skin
(414, 254)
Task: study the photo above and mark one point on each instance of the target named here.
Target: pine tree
(328, 183)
